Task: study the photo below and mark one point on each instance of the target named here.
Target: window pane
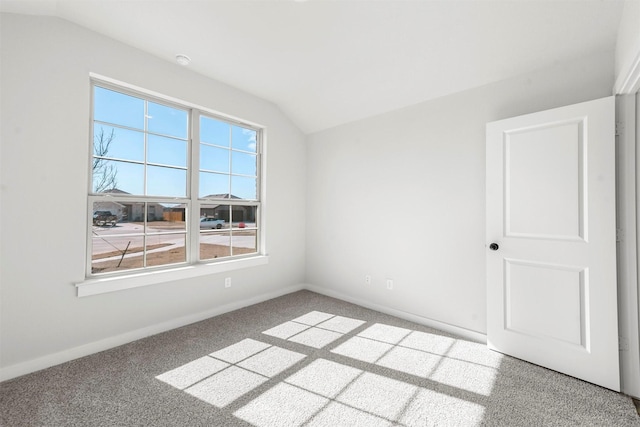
(142, 161)
(244, 242)
(118, 108)
(214, 245)
(112, 176)
(243, 216)
(175, 216)
(109, 141)
(132, 217)
(163, 225)
(214, 184)
(116, 253)
(244, 164)
(214, 217)
(214, 131)
(165, 249)
(166, 181)
(167, 151)
(243, 187)
(108, 217)
(244, 139)
(167, 121)
(214, 159)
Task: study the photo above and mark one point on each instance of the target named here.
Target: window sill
(103, 285)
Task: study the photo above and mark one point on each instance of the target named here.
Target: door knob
(494, 246)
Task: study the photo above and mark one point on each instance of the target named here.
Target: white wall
(628, 44)
(402, 195)
(45, 147)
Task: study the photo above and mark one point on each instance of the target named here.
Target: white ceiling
(325, 63)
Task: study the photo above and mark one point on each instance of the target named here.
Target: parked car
(211, 223)
(104, 218)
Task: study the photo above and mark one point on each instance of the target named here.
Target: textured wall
(45, 147)
(402, 195)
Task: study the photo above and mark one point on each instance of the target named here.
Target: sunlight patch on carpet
(286, 330)
(282, 405)
(272, 361)
(226, 386)
(385, 333)
(315, 329)
(414, 362)
(192, 372)
(378, 395)
(324, 377)
(240, 351)
(362, 349)
(316, 337)
(227, 374)
(313, 318)
(328, 393)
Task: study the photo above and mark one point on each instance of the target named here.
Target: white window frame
(193, 266)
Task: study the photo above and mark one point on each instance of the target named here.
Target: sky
(228, 160)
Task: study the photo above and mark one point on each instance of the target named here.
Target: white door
(551, 271)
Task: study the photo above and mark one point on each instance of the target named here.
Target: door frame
(627, 89)
(627, 158)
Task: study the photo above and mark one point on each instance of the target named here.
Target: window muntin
(139, 146)
(228, 230)
(142, 173)
(228, 160)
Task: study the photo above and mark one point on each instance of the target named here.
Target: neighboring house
(240, 213)
(132, 211)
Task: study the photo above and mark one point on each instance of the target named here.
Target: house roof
(221, 196)
(115, 191)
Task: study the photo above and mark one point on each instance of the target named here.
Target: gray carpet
(306, 360)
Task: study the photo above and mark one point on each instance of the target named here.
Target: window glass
(244, 164)
(244, 187)
(214, 131)
(244, 217)
(244, 139)
(167, 151)
(214, 185)
(114, 176)
(163, 181)
(215, 245)
(118, 143)
(164, 249)
(118, 108)
(244, 242)
(143, 188)
(168, 121)
(214, 159)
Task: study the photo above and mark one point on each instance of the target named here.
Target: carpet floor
(306, 360)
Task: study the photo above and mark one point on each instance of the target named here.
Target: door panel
(551, 284)
(557, 291)
(544, 182)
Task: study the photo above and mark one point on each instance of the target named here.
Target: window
(171, 185)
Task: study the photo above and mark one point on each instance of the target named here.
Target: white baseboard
(445, 327)
(49, 360)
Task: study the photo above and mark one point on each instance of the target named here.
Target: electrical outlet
(390, 284)
(227, 282)
(367, 279)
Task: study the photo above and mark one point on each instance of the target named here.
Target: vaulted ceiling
(325, 63)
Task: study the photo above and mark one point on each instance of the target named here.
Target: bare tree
(104, 173)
